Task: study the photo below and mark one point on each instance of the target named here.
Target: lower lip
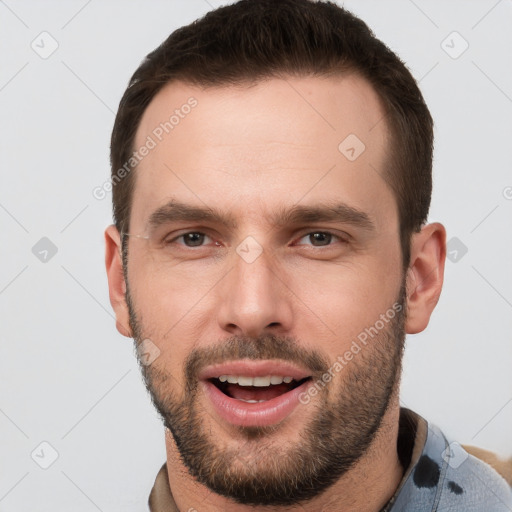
(248, 414)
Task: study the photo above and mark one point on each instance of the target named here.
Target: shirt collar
(412, 438)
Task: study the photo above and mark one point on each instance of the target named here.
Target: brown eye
(193, 239)
(190, 239)
(321, 238)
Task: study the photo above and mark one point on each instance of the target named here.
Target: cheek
(169, 301)
(344, 299)
(165, 293)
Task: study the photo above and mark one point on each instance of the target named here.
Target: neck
(367, 487)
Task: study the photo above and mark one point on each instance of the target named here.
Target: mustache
(265, 347)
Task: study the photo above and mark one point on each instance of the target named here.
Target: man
(271, 170)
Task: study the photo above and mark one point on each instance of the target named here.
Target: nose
(253, 298)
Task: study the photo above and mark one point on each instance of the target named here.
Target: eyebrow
(176, 211)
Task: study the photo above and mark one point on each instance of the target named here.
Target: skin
(322, 295)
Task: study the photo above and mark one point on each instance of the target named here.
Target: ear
(425, 275)
(116, 283)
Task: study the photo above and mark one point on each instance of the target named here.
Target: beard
(258, 466)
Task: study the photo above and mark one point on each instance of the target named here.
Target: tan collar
(160, 499)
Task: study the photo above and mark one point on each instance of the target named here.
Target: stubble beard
(258, 466)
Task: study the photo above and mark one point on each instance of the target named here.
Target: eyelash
(342, 239)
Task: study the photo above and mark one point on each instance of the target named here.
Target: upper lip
(252, 368)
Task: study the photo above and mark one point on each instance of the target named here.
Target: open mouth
(256, 389)
(254, 393)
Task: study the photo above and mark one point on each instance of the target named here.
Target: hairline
(247, 83)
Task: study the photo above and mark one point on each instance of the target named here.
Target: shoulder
(502, 466)
(469, 483)
(442, 474)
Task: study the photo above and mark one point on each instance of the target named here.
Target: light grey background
(67, 376)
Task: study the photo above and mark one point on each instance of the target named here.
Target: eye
(322, 238)
(191, 239)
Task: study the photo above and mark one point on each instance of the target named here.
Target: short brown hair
(256, 39)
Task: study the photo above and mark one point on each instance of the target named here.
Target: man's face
(270, 290)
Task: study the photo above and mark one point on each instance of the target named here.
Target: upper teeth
(242, 380)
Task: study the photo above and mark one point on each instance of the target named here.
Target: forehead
(250, 148)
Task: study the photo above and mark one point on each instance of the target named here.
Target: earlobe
(425, 275)
(116, 282)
